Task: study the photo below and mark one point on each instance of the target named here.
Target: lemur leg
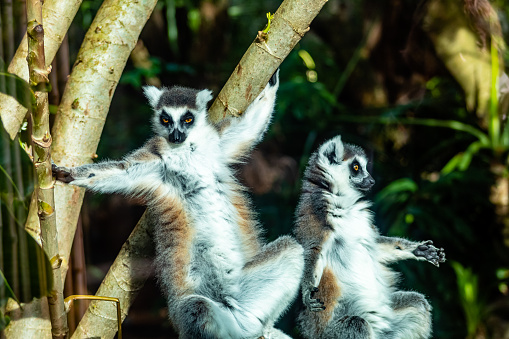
(412, 315)
(347, 327)
(203, 318)
(391, 249)
(240, 135)
(269, 283)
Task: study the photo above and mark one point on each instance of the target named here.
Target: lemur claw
(61, 174)
(430, 253)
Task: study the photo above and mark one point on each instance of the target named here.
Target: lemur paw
(313, 304)
(430, 253)
(274, 79)
(62, 173)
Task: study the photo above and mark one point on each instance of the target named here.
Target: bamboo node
(300, 32)
(45, 209)
(56, 262)
(261, 37)
(267, 49)
(45, 142)
(234, 112)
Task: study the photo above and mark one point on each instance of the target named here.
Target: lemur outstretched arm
(240, 135)
(132, 175)
(392, 249)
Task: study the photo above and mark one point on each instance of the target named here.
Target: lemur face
(175, 123)
(177, 111)
(346, 165)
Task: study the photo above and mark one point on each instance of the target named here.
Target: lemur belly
(216, 253)
(358, 273)
(215, 250)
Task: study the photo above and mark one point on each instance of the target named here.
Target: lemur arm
(240, 135)
(392, 249)
(137, 172)
(313, 270)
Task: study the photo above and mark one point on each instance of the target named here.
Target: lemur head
(177, 110)
(343, 167)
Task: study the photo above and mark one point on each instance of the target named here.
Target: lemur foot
(430, 253)
(313, 304)
(62, 173)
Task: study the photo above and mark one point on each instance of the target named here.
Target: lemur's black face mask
(179, 130)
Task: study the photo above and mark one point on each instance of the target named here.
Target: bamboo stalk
(57, 16)
(38, 76)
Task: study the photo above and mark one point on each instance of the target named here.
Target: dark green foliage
(24, 267)
(16, 87)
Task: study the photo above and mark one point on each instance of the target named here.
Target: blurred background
(366, 71)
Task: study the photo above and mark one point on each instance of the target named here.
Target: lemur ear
(153, 94)
(202, 99)
(333, 150)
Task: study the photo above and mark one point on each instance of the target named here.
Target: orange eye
(188, 120)
(356, 167)
(165, 121)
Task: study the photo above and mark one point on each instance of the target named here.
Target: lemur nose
(177, 137)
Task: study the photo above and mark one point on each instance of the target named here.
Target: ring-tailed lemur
(219, 278)
(348, 290)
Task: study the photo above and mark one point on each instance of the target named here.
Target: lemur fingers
(62, 174)
(313, 304)
(430, 253)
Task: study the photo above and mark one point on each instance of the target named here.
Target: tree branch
(57, 16)
(86, 101)
(291, 21)
(124, 280)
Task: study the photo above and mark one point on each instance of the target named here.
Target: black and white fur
(219, 278)
(348, 289)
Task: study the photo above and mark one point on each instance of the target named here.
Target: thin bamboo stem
(41, 137)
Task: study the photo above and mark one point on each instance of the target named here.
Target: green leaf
(452, 164)
(468, 291)
(18, 88)
(4, 321)
(461, 161)
(395, 187)
(4, 284)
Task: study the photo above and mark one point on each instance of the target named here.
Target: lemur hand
(430, 253)
(62, 174)
(314, 305)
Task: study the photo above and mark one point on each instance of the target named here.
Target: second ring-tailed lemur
(348, 289)
(219, 278)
